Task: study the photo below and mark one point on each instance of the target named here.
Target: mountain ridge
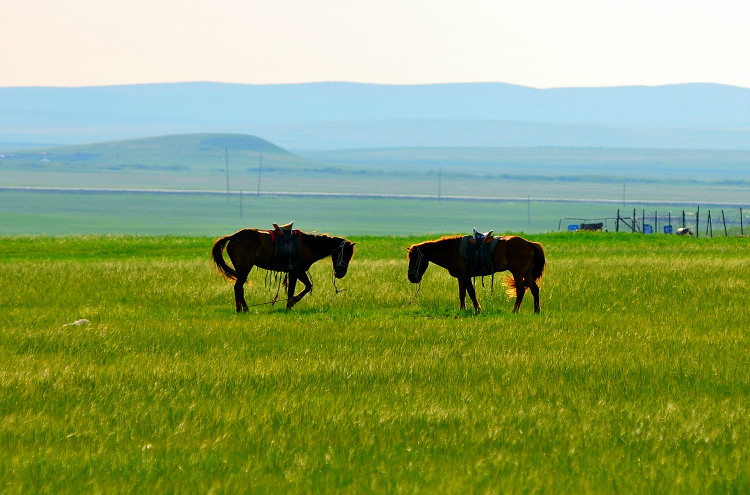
(295, 116)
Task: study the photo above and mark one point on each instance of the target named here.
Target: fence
(699, 223)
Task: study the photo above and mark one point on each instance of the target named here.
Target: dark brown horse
(251, 247)
(524, 259)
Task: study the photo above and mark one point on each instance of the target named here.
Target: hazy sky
(539, 43)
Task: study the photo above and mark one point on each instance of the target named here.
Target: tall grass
(633, 379)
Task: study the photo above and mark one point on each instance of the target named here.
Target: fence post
(697, 223)
(709, 225)
(633, 220)
(683, 218)
(617, 222)
(742, 233)
(725, 223)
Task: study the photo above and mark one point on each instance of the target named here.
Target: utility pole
(528, 210)
(440, 182)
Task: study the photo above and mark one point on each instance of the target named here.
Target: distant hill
(196, 153)
(348, 115)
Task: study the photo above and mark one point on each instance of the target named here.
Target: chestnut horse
(251, 247)
(524, 259)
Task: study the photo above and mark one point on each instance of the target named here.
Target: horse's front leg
(462, 293)
(308, 286)
(473, 296)
(302, 276)
(291, 282)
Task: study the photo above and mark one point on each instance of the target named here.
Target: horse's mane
(435, 241)
(326, 239)
(322, 234)
(431, 244)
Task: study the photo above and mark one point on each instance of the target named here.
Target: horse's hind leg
(239, 292)
(535, 292)
(239, 296)
(520, 284)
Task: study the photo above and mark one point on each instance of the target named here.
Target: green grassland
(538, 187)
(30, 213)
(634, 378)
(203, 161)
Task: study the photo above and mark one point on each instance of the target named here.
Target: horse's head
(417, 264)
(341, 257)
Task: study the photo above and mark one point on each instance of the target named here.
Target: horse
(252, 247)
(524, 259)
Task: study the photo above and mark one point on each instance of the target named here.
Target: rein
(416, 293)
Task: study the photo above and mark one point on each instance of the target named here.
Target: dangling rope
(416, 293)
(278, 289)
(333, 279)
(277, 276)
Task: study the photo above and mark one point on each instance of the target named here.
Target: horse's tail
(218, 254)
(540, 262)
(537, 271)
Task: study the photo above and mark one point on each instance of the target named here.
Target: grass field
(634, 378)
(538, 186)
(203, 162)
(63, 214)
(35, 213)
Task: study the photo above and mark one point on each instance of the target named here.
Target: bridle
(338, 263)
(415, 271)
(417, 263)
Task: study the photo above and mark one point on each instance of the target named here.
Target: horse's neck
(440, 252)
(321, 245)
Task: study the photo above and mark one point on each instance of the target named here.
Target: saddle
(480, 237)
(287, 247)
(477, 250)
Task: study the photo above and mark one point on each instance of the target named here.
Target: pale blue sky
(539, 43)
